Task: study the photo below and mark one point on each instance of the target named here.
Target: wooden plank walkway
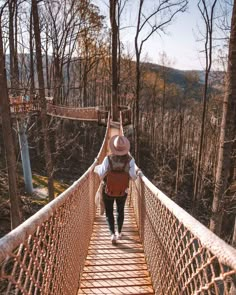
(116, 269)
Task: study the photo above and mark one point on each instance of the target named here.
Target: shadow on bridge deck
(116, 269)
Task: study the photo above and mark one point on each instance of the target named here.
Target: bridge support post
(91, 190)
(24, 149)
(140, 199)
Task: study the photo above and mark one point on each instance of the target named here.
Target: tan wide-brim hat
(119, 145)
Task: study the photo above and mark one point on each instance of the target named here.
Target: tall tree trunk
(114, 102)
(12, 44)
(16, 66)
(47, 64)
(8, 141)
(32, 82)
(136, 109)
(138, 50)
(85, 82)
(227, 133)
(57, 80)
(163, 102)
(200, 149)
(208, 19)
(180, 146)
(48, 157)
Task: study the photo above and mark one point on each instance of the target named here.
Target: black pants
(120, 204)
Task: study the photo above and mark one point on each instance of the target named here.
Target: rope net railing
(24, 107)
(88, 113)
(46, 254)
(183, 256)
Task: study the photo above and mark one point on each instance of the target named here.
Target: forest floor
(30, 204)
(79, 144)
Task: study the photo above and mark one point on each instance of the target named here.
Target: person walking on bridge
(116, 170)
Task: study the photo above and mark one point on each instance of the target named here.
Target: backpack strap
(126, 162)
(110, 163)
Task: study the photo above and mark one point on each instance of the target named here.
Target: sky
(179, 43)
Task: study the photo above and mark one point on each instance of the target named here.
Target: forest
(183, 122)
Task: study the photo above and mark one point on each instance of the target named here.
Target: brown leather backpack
(117, 180)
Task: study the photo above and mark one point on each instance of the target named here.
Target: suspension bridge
(20, 108)
(65, 247)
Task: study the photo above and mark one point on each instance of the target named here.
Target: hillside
(179, 77)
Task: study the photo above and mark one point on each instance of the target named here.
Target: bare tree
(120, 7)
(91, 52)
(227, 134)
(208, 17)
(114, 33)
(31, 48)
(156, 21)
(8, 138)
(14, 70)
(48, 157)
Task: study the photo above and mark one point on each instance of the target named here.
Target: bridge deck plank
(116, 269)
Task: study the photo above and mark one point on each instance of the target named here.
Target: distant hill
(179, 76)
